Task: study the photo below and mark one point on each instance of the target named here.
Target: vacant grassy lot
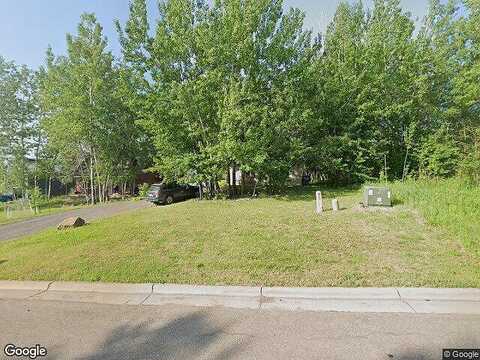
(270, 241)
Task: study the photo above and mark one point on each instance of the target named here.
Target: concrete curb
(378, 300)
(239, 291)
(335, 299)
(331, 293)
(24, 285)
(439, 294)
(101, 287)
(199, 295)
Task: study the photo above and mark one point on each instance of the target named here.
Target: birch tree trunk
(92, 185)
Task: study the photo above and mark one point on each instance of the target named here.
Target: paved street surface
(116, 332)
(27, 227)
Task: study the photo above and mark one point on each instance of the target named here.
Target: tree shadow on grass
(187, 337)
(3, 261)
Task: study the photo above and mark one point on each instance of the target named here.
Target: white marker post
(335, 205)
(319, 202)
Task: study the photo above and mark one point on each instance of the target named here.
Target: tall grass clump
(452, 204)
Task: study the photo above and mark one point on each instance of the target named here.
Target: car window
(171, 186)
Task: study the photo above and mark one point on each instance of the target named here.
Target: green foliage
(450, 204)
(222, 90)
(372, 97)
(90, 128)
(223, 185)
(3, 178)
(240, 83)
(470, 164)
(143, 190)
(35, 198)
(439, 155)
(18, 124)
(466, 83)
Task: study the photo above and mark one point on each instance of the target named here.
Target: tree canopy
(241, 83)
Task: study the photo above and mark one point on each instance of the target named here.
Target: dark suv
(169, 193)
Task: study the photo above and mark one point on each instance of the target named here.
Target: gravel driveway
(27, 227)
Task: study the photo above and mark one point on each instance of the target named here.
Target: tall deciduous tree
(222, 85)
(87, 121)
(240, 83)
(18, 124)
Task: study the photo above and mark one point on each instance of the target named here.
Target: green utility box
(377, 196)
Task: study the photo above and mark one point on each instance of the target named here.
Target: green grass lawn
(53, 206)
(267, 241)
(451, 204)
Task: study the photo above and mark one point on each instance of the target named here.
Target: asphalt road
(27, 227)
(117, 332)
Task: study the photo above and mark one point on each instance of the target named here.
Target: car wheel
(169, 200)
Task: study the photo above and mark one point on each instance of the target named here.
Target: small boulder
(72, 222)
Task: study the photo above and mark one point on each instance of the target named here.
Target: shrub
(470, 164)
(143, 190)
(439, 155)
(35, 198)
